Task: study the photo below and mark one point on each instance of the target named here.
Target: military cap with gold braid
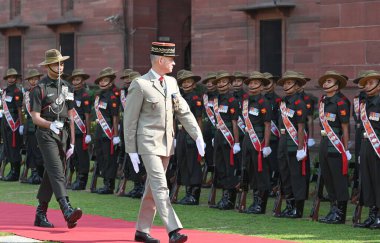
(32, 73)
(163, 49)
(291, 75)
(11, 72)
(257, 76)
(223, 74)
(342, 81)
(78, 72)
(370, 75)
(53, 56)
(106, 72)
(187, 75)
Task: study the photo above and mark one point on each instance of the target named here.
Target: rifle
(174, 181)
(2, 168)
(317, 199)
(212, 194)
(120, 190)
(243, 187)
(24, 173)
(94, 178)
(278, 201)
(356, 218)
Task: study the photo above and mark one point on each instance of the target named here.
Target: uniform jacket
(148, 116)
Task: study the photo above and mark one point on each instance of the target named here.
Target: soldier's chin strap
(269, 87)
(378, 82)
(186, 88)
(53, 70)
(291, 87)
(330, 86)
(254, 88)
(105, 86)
(223, 86)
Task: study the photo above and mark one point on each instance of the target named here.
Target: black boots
(260, 199)
(80, 182)
(376, 223)
(297, 211)
(187, 196)
(290, 204)
(370, 220)
(228, 201)
(14, 173)
(330, 215)
(35, 178)
(41, 219)
(137, 191)
(337, 214)
(71, 215)
(192, 195)
(109, 186)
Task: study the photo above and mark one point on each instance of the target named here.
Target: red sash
(253, 136)
(241, 125)
(82, 127)
(224, 129)
(12, 124)
(123, 98)
(103, 123)
(274, 129)
(293, 133)
(356, 107)
(372, 137)
(332, 136)
(208, 110)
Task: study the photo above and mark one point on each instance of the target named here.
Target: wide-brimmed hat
(241, 75)
(53, 56)
(257, 76)
(208, 76)
(304, 76)
(133, 75)
(106, 72)
(11, 72)
(370, 75)
(333, 74)
(31, 73)
(126, 73)
(223, 74)
(362, 74)
(163, 49)
(187, 75)
(270, 76)
(291, 75)
(78, 72)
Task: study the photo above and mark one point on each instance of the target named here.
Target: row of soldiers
(254, 138)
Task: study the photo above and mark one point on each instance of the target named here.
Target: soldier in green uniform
(274, 100)
(52, 107)
(107, 134)
(257, 114)
(293, 168)
(12, 127)
(188, 159)
(333, 152)
(82, 119)
(226, 141)
(33, 154)
(370, 149)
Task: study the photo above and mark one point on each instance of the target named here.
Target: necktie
(161, 80)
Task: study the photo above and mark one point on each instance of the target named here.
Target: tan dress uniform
(148, 131)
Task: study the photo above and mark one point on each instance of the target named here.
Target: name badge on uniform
(8, 98)
(78, 103)
(289, 112)
(102, 105)
(254, 111)
(330, 116)
(223, 109)
(70, 96)
(374, 116)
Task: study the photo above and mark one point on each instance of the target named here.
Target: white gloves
(21, 129)
(301, 154)
(267, 151)
(70, 151)
(236, 148)
(1, 113)
(310, 142)
(200, 146)
(56, 126)
(87, 139)
(135, 161)
(116, 140)
(175, 143)
(348, 154)
(212, 142)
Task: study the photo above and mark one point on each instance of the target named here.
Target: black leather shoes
(144, 237)
(177, 238)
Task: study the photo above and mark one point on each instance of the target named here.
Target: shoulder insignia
(86, 102)
(308, 106)
(299, 112)
(297, 102)
(263, 110)
(17, 97)
(199, 103)
(343, 112)
(114, 104)
(231, 99)
(232, 110)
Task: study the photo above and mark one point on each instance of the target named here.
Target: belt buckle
(282, 131)
(365, 135)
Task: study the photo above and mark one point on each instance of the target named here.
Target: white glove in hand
(1, 113)
(212, 142)
(310, 142)
(348, 154)
(56, 126)
(200, 146)
(116, 140)
(236, 148)
(87, 139)
(267, 151)
(135, 161)
(301, 154)
(21, 130)
(70, 151)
